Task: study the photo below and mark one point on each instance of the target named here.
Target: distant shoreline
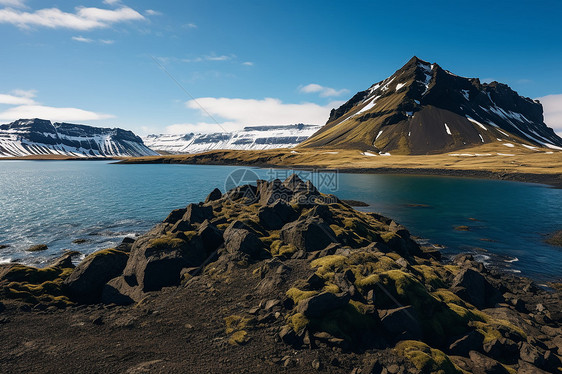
(525, 167)
(58, 158)
(284, 159)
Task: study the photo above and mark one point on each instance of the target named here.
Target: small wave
(514, 271)
(515, 259)
(5, 260)
(482, 258)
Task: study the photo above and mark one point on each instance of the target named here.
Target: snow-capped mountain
(252, 137)
(27, 137)
(424, 109)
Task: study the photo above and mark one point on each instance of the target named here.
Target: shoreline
(313, 284)
(552, 180)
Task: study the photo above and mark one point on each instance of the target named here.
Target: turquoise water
(56, 202)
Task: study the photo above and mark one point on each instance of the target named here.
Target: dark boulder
(502, 349)
(308, 235)
(247, 193)
(118, 291)
(194, 214)
(238, 237)
(294, 183)
(470, 342)
(65, 261)
(401, 323)
(175, 215)
(38, 248)
(402, 243)
(86, 282)
(274, 216)
(126, 245)
(158, 262)
(314, 283)
(211, 236)
(528, 368)
(473, 287)
(321, 211)
(270, 192)
(482, 364)
(531, 354)
(215, 195)
(310, 196)
(319, 305)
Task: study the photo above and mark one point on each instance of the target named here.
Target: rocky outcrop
(86, 282)
(288, 264)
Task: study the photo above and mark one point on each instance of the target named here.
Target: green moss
(299, 322)
(166, 242)
(429, 276)
(236, 322)
(388, 236)
(278, 248)
(297, 295)
(190, 234)
(330, 287)
(425, 358)
(22, 273)
(272, 238)
(239, 338)
(338, 230)
(329, 264)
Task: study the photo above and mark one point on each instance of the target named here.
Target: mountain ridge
(425, 109)
(32, 137)
(249, 138)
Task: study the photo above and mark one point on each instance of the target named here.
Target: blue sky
(256, 62)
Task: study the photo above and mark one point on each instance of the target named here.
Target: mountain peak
(423, 108)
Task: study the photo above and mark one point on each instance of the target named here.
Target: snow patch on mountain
(249, 138)
(33, 137)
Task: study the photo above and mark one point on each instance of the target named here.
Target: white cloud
(248, 63)
(16, 99)
(111, 2)
(269, 111)
(24, 106)
(81, 39)
(13, 3)
(209, 58)
(322, 90)
(83, 18)
(152, 12)
(190, 25)
(51, 113)
(552, 105)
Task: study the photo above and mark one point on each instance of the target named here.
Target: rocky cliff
(41, 137)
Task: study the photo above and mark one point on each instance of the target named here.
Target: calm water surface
(56, 202)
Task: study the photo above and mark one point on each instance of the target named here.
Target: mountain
(27, 137)
(253, 137)
(424, 109)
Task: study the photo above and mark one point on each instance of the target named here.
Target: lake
(57, 202)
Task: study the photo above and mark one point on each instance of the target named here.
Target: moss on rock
(425, 358)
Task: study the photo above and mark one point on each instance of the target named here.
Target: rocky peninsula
(276, 277)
